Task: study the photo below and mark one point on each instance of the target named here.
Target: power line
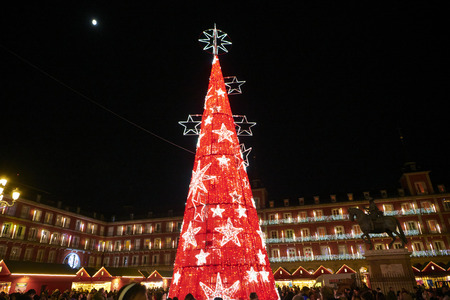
(91, 100)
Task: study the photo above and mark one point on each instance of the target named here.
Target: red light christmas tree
(221, 252)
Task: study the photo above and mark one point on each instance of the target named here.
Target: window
(275, 253)
(139, 229)
(325, 250)
(54, 238)
(25, 212)
(273, 217)
(137, 244)
(127, 245)
(361, 249)
(398, 246)
(116, 261)
(411, 225)
(3, 249)
(51, 256)
(426, 205)
(147, 244)
(388, 207)
(86, 243)
(125, 261)
(438, 245)
(155, 259)
(274, 234)
(117, 246)
(40, 255)
(28, 255)
(339, 230)
(15, 253)
(58, 221)
(148, 228)
(302, 215)
(20, 232)
(91, 228)
(289, 233)
(135, 260)
(6, 229)
(37, 214)
(421, 188)
(318, 213)
(119, 230)
(406, 206)
(48, 219)
(45, 236)
(433, 226)
(65, 222)
(76, 241)
(145, 260)
(167, 259)
(32, 234)
(304, 232)
(287, 216)
(336, 212)
(179, 224)
(102, 230)
(291, 252)
(106, 261)
(157, 243)
(356, 230)
(158, 227)
(168, 243)
(417, 246)
(129, 229)
(110, 231)
(109, 246)
(257, 202)
(169, 226)
(447, 204)
(64, 240)
(286, 202)
(321, 231)
(308, 252)
(379, 246)
(342, 249)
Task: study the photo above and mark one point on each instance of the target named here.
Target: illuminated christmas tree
(221, 252)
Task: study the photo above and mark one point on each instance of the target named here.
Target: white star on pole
(220, 291)
(261, 257)
(189, 236)
(264, 275)
(241, 211)
(252, 275)
(234, 86)
(236, 197)
(198, 176)
(224, 133)
(176, 277)
(191, 127)
(223, 161)
(201, 257)
(217, 211)
(229, 233)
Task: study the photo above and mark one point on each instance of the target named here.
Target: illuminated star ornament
(224, 133)
(198, 176)
(216, 41)
(220, 291)
(191, 126)
(233, 85)
(244, 126)
(201, 257)
(189, 236)
(217, 212)
(176, 277)
(261, 257)
(252, 275)
(230, 233)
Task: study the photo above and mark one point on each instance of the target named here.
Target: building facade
(307, 234)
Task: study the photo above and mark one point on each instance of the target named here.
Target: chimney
(316, 200)
(350, 196)
(301, 201)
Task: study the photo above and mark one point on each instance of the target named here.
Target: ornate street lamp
(15, 194)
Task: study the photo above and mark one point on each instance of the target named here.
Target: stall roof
(131, 272)
(29, 267)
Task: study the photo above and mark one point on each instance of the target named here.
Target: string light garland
(222, 254)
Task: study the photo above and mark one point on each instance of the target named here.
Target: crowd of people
(136, 291)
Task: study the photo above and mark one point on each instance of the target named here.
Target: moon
(94, 22)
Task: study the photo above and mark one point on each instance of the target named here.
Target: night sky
(328, 83)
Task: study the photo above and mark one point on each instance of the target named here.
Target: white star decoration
(201, 257)
(241, 211)
(215, 109)
(224, 133)
(229, 233)
(223, 161)
(252, 275)
(220, 291)
(261, 257)
(217, 211)
(197, 202)
(208, 120)
(261, 235)
(220, 92)
(176, 277)
(236, 197)
(198, 176)
(264, 275)
(189, 236)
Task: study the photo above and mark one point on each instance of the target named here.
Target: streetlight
(15, 194)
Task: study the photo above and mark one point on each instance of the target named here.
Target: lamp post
(15, 194)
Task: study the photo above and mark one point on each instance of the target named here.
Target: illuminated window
(411, 225)
(321, 231)
(438, 245)
(272, 217)
(168, 243)
(28, 255)
(356, 229)
(417, 246)
(137, 244)
(127, 245)
(291, 252)
(342, 249)
(433, 226)
(117, 246)
(339, 230)
(125, 261)
(6, 229)
(135, 260)
(388, 207)
(119, 230)
(116, 261)
(336, 212)
(25, 212)
(169, 227)
(398, 246)
(32, 234)
(325, 250)
(48, 219)
(15, 253)
(302, 215)
(318, 213)
(37, 214)
(274, 234)
(421, 188)
(157, 243)
(304, 232)
(275, 253)
(307, 251)
(147, 244)
(361, 249)
(40, 255)
(20, 232)
(426, 205)
(289, 233)
(167, 259)
(44, 236)
(106, 261)
(110, 231)
(58, 221)
(155, 259)
(287, 216)
(406, 206)
(379, 246)
(148, 228)
(158, 227)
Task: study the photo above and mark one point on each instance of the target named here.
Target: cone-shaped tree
(221, 252)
